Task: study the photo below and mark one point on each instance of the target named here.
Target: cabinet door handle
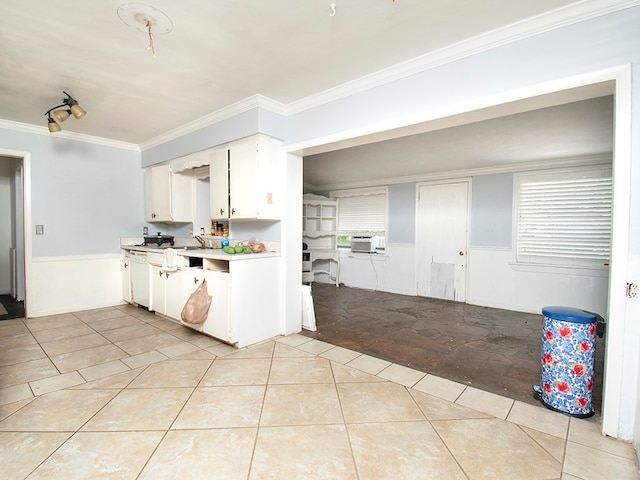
(221, 212)
(160, 273)
(195, 280)
(233, 210)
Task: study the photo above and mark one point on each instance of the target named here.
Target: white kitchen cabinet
(126, 279)
(139, 278)
(164, 285)
(169, 197)
(243, 293)
(244, 179)
(217, 322)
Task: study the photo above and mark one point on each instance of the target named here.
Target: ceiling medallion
(147, 19)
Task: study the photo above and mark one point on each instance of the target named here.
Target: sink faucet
(199, 238)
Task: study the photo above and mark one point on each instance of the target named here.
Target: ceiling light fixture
(71, 107)
(147, 19)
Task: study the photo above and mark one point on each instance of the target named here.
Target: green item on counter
(239, 248)
(229, 249)
(247, 249)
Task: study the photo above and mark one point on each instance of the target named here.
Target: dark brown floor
(490, 349)
(14, 308)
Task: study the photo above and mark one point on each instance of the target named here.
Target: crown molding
(249, 103)
(552, 20)
(603, 159)
(561, 17)
(80, 137)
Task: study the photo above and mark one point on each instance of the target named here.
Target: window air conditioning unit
(367, 244)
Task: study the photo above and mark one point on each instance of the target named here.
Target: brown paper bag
(197, 307)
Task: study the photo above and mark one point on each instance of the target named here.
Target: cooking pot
(158, 239)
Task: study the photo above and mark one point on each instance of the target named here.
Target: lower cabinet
(126, 279)
(163, 287)
(245, 307)
(217, 322)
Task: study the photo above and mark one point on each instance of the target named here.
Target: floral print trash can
(568, 358)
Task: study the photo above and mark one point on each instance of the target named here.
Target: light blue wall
(256, 120)
(87, 196)
(402, 213)
(607, 41)
(491, 210)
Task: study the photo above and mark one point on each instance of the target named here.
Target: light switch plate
(39, 229)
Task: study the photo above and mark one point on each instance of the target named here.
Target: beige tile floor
(121, 393)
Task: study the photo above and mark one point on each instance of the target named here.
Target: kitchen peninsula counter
(210, 253)
(230, 280)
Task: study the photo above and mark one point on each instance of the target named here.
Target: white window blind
(362, 213)
(565, 218)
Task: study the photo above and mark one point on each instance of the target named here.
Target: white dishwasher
(139, 278)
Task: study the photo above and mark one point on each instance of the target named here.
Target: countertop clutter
(189, 247)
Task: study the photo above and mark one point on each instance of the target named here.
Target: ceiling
(220, 52)
(567, 131)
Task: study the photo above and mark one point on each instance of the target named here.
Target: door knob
(461, 253)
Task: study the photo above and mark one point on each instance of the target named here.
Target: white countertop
(212, 253)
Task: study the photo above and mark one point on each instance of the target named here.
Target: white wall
(392, 272)
(493, 281)
(75, 283)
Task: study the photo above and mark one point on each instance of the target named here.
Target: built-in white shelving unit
(319, 223)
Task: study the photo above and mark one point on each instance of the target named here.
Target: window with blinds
(564, 218)
(360, 213)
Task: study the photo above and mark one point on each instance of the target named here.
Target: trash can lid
(568, 314)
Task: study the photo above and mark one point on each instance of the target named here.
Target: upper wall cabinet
(168, 196)
(244, 179)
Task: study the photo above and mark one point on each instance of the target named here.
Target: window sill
(363, 256)
(560, 269)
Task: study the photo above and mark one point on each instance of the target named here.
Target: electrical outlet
(145, 230)
(632, 290)
(39, 229)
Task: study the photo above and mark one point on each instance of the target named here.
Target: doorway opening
(14, 234)
(614, 81)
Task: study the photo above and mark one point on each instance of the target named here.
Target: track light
(53, 126)
(71, 107)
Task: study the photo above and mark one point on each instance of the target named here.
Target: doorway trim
(26, 213)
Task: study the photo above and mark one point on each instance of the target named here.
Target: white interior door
(442, 224)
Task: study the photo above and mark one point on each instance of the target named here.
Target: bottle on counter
(224, 242)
